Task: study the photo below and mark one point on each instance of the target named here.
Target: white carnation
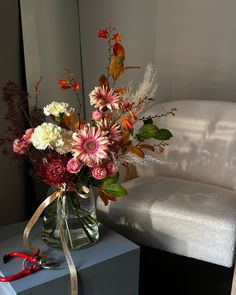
(47, 135)
(57, 108)
(67, 139)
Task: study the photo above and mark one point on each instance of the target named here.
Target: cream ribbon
(73, 272)
(71, 265)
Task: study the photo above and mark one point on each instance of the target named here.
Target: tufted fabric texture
(188, 205)
(183, 217)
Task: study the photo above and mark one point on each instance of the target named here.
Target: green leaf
(108, 181)
(58, 118)
(148, 131)
(137, 136)
(115, 189)
(163, 134)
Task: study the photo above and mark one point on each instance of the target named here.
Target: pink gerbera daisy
(101, 98)
(114, 130)
(90, 145)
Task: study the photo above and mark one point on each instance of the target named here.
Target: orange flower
(103, 33)
(127, 106)
(132, 115)
(75, 85)
(64, 84)
(128, 124)
(116, 37)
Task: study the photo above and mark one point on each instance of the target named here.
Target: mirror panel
(51, 42)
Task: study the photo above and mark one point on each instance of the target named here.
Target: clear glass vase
(77, 216)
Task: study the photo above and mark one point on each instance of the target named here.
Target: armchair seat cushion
(184, 217)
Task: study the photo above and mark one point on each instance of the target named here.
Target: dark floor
(163, 273)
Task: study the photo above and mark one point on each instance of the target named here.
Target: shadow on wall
(202, 149)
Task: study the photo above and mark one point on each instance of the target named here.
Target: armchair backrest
(203, 148)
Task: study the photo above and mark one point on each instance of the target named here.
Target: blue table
(110, 267)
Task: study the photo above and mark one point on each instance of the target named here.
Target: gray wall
(191, 43)
(12, 190)
(195, 49)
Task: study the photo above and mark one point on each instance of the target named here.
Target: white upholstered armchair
(188, 205)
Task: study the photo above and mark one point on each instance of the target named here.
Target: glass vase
(76, 215)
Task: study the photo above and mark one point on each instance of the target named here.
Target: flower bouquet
(79, 159)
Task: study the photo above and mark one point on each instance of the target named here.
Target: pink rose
(99, 172)
(97, 115)
(111, 168)
(19, 147)
(27, 137)
(74, 165)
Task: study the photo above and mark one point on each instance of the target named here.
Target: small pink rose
(74, 165)
(111, 168)
(19, 147)
(27, 137)
(99, 172)
(97, 115)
